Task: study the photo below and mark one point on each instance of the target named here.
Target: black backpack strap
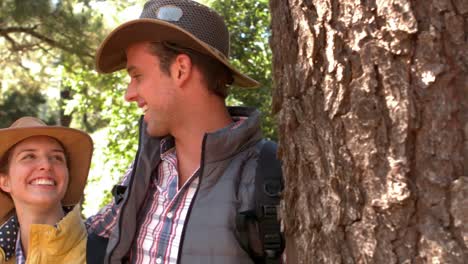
(268, 186)
(95, 249)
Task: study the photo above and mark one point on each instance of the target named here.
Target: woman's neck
(30, 216)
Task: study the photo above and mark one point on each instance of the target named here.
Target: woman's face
(37, 173)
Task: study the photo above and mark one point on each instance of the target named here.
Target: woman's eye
(58, 158)
(28, 156)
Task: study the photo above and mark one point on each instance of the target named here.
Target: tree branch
(12, 42)
(31, 31)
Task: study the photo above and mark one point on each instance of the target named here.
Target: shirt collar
(20, 259)
(167, 144)
(20, 256)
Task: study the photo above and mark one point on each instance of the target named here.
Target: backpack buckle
(118, 191)
(269, 211)
(272, 245)
(272, 189)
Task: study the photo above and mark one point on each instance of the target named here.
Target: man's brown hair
(216, 75)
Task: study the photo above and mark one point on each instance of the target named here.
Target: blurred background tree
(42, 42)
(249, 24)
(47, 52)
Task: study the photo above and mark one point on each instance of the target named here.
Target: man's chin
(156, 133)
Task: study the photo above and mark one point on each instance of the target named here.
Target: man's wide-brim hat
(78, 148)
(184, 23)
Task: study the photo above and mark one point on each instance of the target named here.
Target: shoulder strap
(95, 249)
(268, 186)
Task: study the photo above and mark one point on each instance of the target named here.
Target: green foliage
(248, 22)
(18, 104)
(46, 44)
(47, 47)
(54, 27)
(122, 128)
(24, 10)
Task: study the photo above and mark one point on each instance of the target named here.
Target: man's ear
(5, 183)
(181, 68)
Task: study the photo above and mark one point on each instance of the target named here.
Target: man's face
(37, 174)
(152, 89)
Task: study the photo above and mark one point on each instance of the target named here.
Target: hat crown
(201, 21)
(27, 121)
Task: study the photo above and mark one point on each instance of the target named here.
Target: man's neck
(188, 159)
(200, 112)
(189, 141)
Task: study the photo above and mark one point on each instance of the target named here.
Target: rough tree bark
(371, 99)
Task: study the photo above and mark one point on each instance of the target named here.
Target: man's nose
(130, 93)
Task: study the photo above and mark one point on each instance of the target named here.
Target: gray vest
(227, 175)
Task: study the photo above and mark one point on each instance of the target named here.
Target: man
(195, 167)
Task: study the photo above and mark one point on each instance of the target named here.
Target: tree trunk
(371, 99)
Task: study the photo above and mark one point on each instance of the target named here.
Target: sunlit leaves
(248, 22)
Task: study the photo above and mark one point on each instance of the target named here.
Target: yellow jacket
(65, 243)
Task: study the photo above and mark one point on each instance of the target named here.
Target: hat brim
(111, 56)
(78, 146)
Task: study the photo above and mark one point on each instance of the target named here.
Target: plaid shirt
(20, 258)
(162, 218)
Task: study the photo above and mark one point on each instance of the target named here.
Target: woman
(43, 170)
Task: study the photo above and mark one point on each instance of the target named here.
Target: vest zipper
(184, 228)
